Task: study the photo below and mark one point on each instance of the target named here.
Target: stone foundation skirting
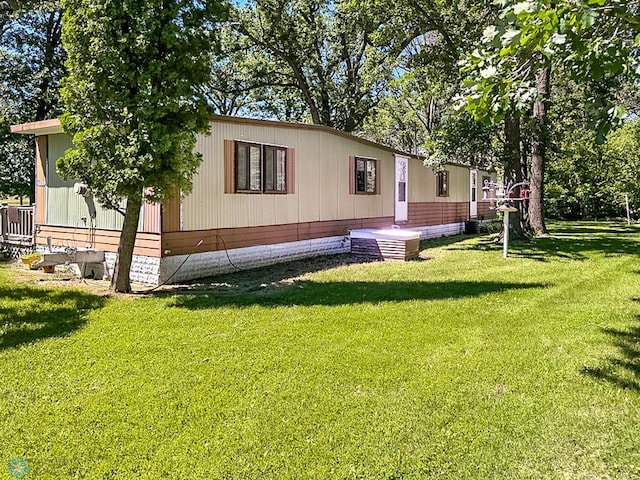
(179, 268)
(436, 231)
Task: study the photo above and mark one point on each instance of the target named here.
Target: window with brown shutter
(258, 168)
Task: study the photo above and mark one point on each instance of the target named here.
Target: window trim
(440, 191)
(353, 174)
(275, 174)
(232, 175)
(236, 145)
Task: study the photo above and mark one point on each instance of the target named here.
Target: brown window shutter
(378, 171)
(229, 173)
(291, 170)
(352, 175)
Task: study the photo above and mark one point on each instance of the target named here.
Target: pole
(505, 248)
(626, 200)
(4, 222)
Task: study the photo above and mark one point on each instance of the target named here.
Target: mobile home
(265, 192)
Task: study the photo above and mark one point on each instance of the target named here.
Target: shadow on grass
(443, 241)
(308, 293)
(593, 228)
(570, 242)
(624, 369)
(252, 279)
(31, 314)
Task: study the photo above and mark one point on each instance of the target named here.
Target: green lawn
(464, 365)
(15, 200)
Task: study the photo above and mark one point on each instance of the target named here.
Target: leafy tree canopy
(131, 94)
(338, 56)
(133, 101)
(586, 39)
(31, 66)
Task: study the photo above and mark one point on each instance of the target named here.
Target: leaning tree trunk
(538, 150)
(513, 173)
(120, 281)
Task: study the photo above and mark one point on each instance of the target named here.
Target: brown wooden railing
(16, 225)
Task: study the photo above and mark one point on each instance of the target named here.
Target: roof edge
(308, 126)
(53, 126)
(42, 127)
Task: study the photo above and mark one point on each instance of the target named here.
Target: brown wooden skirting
(426, 214)
(182, 243)
(485, 212)
(146, 243)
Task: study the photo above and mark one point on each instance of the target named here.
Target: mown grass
(461, 366)
(14, 200)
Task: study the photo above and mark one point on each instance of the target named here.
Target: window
(365, 176)
(442, 184)
(248, 167)
(474, 186)
(275, 169)
(258, 168)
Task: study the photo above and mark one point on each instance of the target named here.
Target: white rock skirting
(180, 268)
(436, 231)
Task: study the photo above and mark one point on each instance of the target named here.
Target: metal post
(505, 247)
(33, 224)
(4, 222)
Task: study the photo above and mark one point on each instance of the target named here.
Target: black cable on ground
(226, 251)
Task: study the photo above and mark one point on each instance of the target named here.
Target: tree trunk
(513, 173)
(120, 280)
(538, 150)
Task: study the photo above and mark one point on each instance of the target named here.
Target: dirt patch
(266, 278)
(61, 277)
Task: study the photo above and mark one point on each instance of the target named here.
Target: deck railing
(17, 225)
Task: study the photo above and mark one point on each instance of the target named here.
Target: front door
(401, 190)
(473, 195)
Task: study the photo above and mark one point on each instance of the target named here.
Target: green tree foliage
(584, 39)
(240, 83)
(510, 73)
(132, 102)
(31, 65)
(418, 107)
(590, 180)
(16, 164)
(337, 56)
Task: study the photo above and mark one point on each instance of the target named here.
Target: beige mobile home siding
(422, 183)
(459, 184)
(321, 181)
